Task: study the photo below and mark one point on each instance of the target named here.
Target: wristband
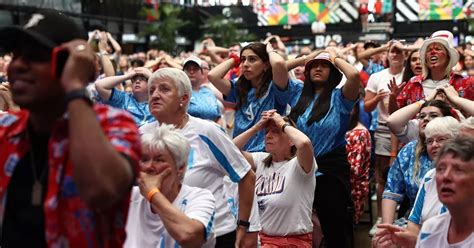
(78, 94)
(243, 223)
(283, 127)
(151, 193)
(333, 60)
(236, 59)
(420, 103)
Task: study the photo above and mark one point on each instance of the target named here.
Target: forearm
(186, 231)
(464, 104)
(352, 85)
(214, 58)
(98, 175)
(369, 52)
(108, 83)
(293, 63)
(279, 70)
(107, 66)
(173, 63)
(392, 104)
(241, 140)
(370, 103)
(216, 76)
(388, 210)
(399, 119)
(246, 193)
(115, 45)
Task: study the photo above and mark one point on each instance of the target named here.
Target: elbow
(190, 239)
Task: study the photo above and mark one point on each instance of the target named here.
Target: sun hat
(444, 38)
(48, 27)
(324, 56)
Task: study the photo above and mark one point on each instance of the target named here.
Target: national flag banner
(434, 10)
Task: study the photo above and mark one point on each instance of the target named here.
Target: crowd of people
(246, 146)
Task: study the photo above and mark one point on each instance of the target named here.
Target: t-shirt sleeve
(232, 95)
(345, 105)
(395, 186)
(117, 98)
(409, 133)
(226, 153)
(122, 132)
(372, 83)
(202, 208)
(283, 97)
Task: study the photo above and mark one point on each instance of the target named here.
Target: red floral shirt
(358, 155)
(69, 222)
(413, 91)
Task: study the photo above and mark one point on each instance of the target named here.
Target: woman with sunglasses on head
(287, 166)
(322, 112)
(263, 85)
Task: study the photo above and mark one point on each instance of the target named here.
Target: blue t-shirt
(328, 133)
(139, 110)
(400, 182)
(204, 104)
(249, 114)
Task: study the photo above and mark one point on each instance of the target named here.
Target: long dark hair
(322, 104)
(244, 85)
(407, 72)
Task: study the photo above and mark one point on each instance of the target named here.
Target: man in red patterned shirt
(438, 56)
(67, 165)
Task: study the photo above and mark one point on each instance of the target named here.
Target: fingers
(391, 227)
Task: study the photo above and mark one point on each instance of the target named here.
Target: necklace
(37, 189)
(183, 122)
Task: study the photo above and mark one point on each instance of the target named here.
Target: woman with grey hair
(437, 132)
(212, 157)
(163, 212)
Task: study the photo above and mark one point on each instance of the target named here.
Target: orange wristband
(151, 193)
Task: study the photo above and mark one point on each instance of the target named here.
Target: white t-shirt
(212, 156)
(410, 132)
(434, 233)
(429, 85)
(379, 81)
(285, 195)
(145, 228)
(427, 203)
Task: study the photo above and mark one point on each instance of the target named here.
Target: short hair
(442, 125)
(459, 147)
(178, 77)
(467, 123)
(167, 136)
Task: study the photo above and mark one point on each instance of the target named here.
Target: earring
(180, 105)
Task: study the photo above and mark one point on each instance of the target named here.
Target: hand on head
(80, 67)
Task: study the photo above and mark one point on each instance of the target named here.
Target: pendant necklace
(37, 189)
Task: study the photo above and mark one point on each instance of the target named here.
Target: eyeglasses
(139, 78)
(430, 116)
(439, 140)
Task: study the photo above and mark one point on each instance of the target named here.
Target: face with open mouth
(455, 181)
(436, 56)
(415, 63)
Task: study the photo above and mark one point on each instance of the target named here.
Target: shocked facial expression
(436, 56)
(415, 64)
(434, 143)
(319, 72)
(455, 181)
(139, 85)
(252, 65)
(426, 115)
(154, 162)
(164, 98)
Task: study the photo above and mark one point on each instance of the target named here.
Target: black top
(23, 223)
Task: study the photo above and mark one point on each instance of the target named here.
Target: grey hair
(178, 77)
(460, 147)
(167, 136)
(442, 125)
(468, 123)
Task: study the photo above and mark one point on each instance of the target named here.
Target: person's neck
(280, 156)
(141, 97)
(256, 81)
(462, 224)
(395, 69)
(179, 120)
(196, 86)
(43, 122)
(437, 74)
